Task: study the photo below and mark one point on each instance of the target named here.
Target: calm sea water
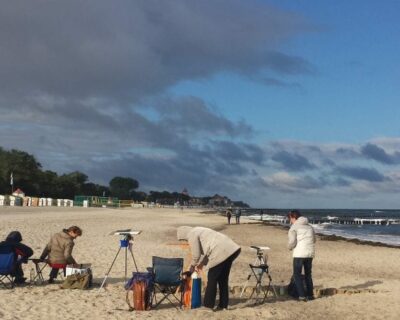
(389, 234)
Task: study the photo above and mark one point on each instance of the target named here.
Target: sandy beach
(365, 279)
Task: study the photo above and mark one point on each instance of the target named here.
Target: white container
(80, 269)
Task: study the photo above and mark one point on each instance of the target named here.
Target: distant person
(229, 215)
(302, 241)
(262, 214)
(59, 250)
(216, 251)
(13, 243)
(238, 214)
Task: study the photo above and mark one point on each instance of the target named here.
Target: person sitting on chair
(216, 251)
(59, 250)
(13, 243)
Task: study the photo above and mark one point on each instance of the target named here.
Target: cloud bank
(86, 86)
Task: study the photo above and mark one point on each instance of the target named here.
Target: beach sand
(367, 277)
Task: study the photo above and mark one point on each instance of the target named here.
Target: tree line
(29, 176)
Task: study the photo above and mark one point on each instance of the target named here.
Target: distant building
(219, 201)
(19, 193)
(185, 192)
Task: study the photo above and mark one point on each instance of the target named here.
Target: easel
(258, 269)
(126, 243)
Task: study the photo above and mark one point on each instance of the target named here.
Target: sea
(386, 234)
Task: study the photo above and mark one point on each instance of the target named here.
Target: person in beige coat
(59, 250)
(216, 251)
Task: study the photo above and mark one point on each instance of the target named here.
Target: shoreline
(330, 237)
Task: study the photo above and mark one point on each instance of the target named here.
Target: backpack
(141, 284)
(292, 290)
(78, 281)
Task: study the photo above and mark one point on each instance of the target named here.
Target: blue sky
(353, 48)
(277, 103)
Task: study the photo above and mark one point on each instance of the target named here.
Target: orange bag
(139, 296)
(187, 293)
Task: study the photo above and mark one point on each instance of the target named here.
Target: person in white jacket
(302, 243)
(215, 251)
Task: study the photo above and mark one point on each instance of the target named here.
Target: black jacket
(13, 244)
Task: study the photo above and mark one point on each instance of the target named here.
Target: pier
(329, 220)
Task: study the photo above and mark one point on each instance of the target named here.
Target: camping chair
(40, 264)
(168, 282)
(7, 265)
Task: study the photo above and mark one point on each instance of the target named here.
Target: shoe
(51, 280)
(20, 280)
(303, 299)
(309, 298)
(221, 308)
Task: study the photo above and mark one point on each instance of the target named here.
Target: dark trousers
(298, 264)
(219, 275)
(237, 219)
(18, 272)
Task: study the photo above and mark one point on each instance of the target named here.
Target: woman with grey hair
(216, 251)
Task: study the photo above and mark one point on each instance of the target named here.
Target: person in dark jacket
(13, 243)
(229, 215)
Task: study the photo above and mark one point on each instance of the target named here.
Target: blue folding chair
(168, 282)
(7, 265)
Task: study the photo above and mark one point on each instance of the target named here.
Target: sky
(281, 104)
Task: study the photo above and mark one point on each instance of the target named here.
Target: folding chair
(37, 278)
(168, 282)
(7, 265)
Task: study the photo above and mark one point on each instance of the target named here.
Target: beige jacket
(209, 248)
(59, 249)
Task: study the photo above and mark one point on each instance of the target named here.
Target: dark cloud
(376, 153)
(346, 152)
(200, 170)
(292, 161)
(85, 86)
(133, 49)
(190, 115)
(360, 173)
(240, 152)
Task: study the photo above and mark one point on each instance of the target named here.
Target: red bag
(139, 296)
(141, 286)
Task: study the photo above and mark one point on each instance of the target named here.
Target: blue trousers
(298, 264)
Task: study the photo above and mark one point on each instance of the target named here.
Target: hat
(182, 232)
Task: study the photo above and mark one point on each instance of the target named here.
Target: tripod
(125, 243)
(258, 269)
